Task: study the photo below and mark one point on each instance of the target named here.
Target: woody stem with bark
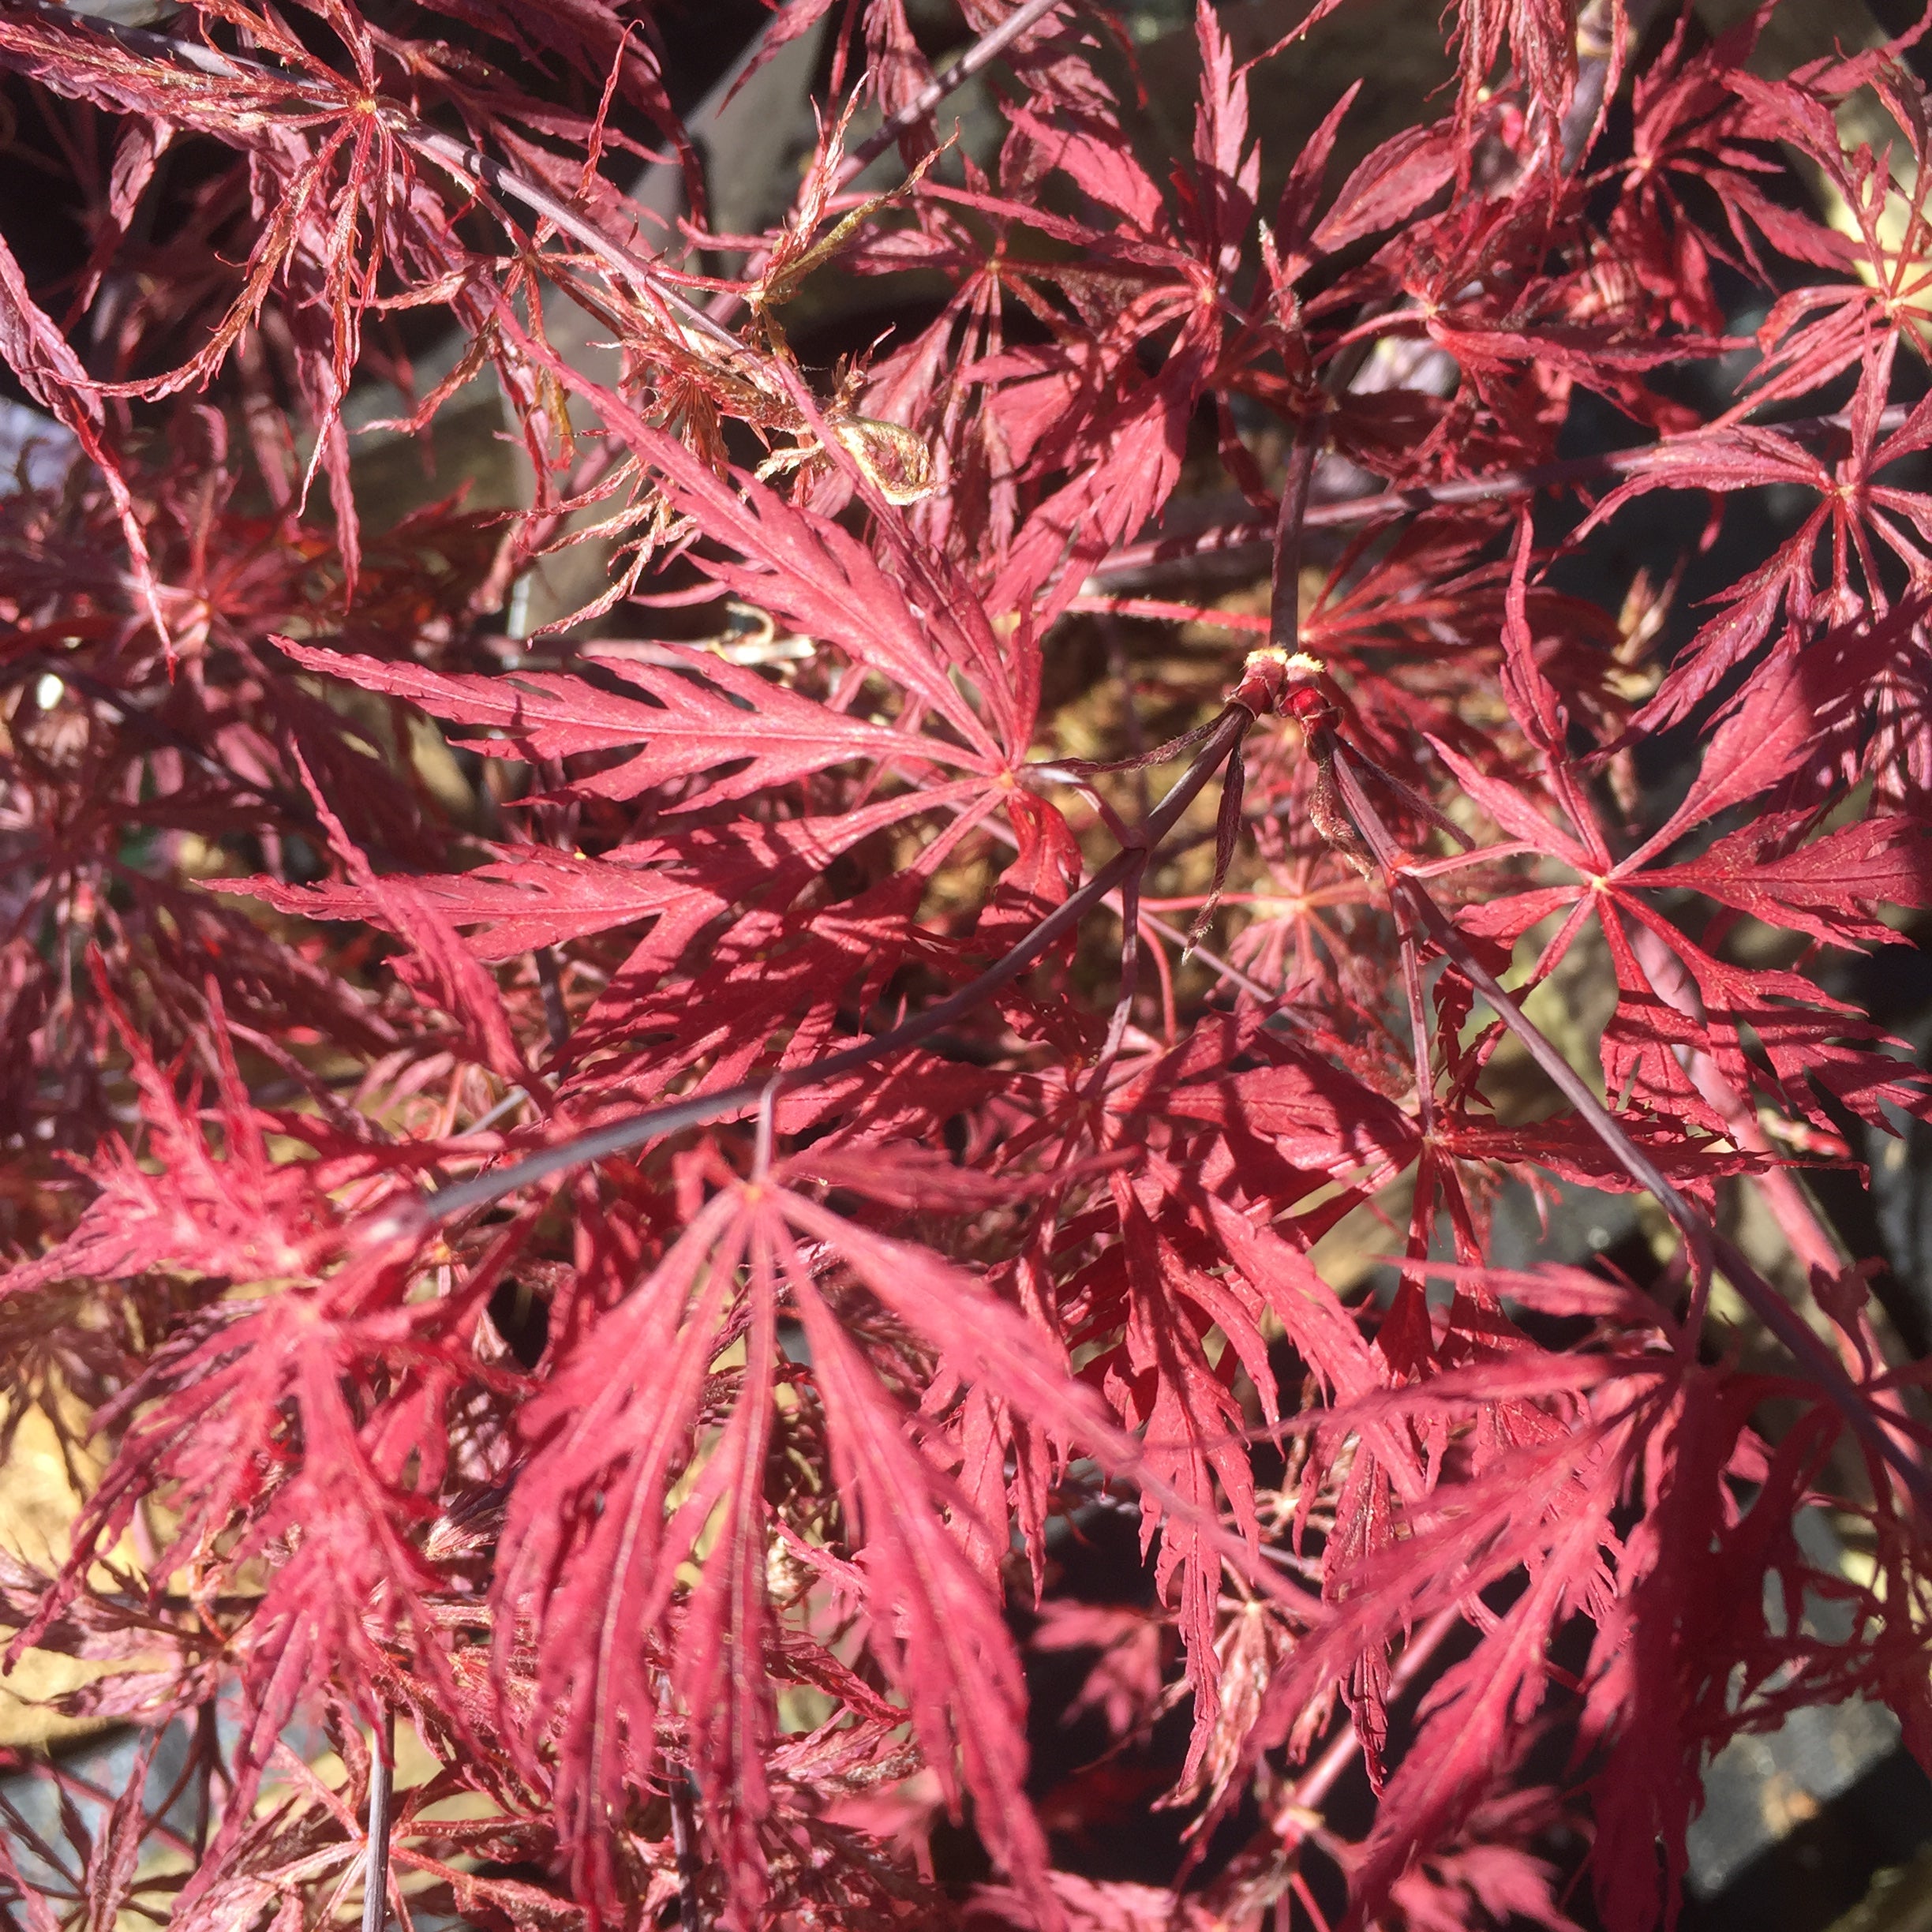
(1285, 579)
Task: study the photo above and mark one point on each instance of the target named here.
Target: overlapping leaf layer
(708, 1499)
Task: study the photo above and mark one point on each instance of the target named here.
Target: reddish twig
(1241, 537)
(1707, 1247)
(414, 1217)
(1285, 577)
(982, 54)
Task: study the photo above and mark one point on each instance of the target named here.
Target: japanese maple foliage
(625, 1199)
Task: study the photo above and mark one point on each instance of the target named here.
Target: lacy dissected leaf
(1124, 468)
(1548, 1506)
(1164, 1384)
(246, 1426)
(672, 1496)
(1311, 1112)
(930, 1619)
(692, 727)
(793, 976)
(1541, 36)
(1637, 1693)
(520, 897)
(35, 349)
(908, 615)
(620, 1487)
(221, 1208)
(1830, 888)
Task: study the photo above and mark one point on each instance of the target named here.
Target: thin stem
(1419, 1038)
(1708, 1247)
(1120, 671)
(1129, 983)
(987, 49)
(1409, 898)
(376, 1863)
(1236, 541)
(477, 169)
(207, 1756)
(684, 1848)
(1285, 584)
(767, 1124)
(1807, 1237)
(1384, 505)
(1146, 909)
(550, 983)
(153, 45)
(413, 1217)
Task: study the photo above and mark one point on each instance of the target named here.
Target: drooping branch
(473, 168)
(414, 1217)
(1384, 505)
(982, 53)
(1888, 1445)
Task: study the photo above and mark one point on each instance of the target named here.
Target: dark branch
(984, 50)
(418, 1214)
(1385, 505)
(376, 1863)
(1707, 1247)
